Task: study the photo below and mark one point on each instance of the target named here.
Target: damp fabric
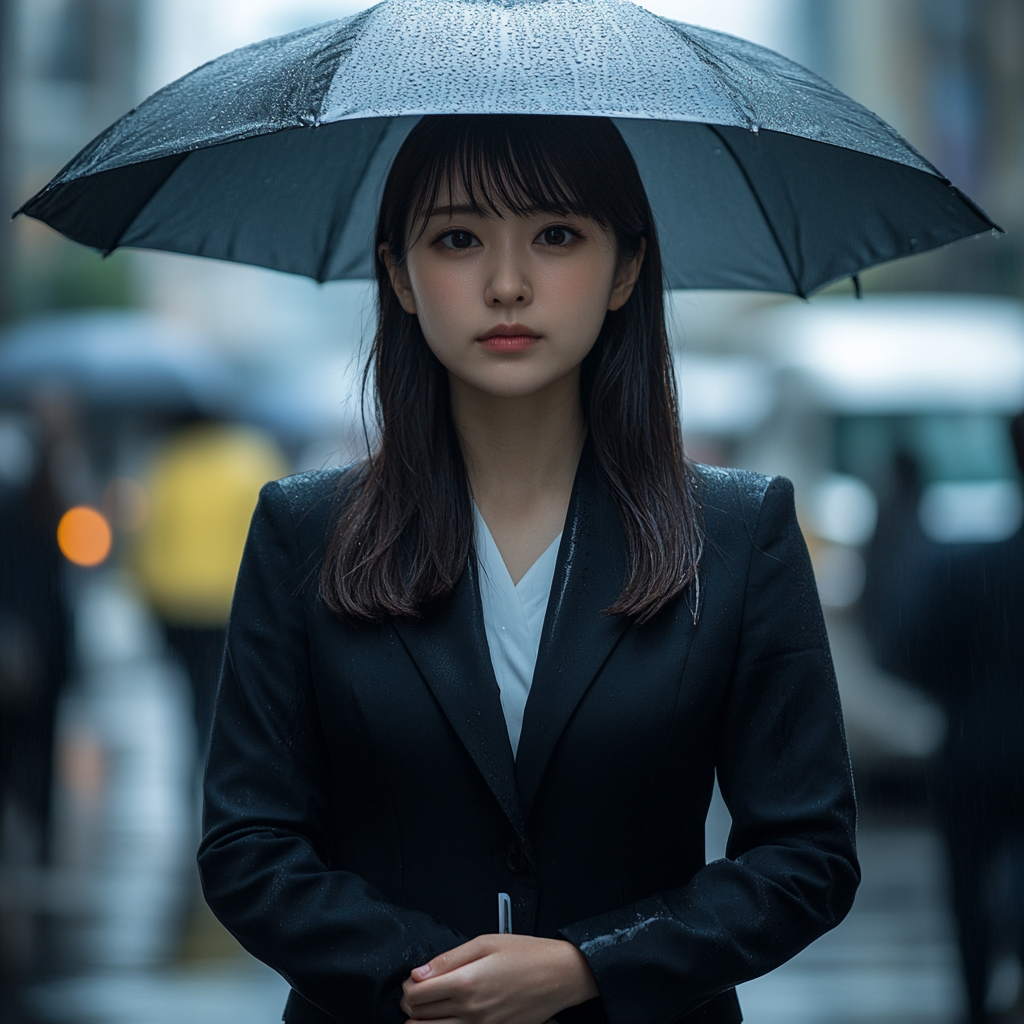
(363, 807)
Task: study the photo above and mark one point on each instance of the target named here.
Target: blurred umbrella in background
(124, 360)
(315, 410)
(761, 175)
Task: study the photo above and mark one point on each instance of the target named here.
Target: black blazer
(363, 808)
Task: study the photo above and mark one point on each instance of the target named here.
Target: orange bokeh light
(84, 536)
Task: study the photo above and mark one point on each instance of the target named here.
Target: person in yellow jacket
(202, 487)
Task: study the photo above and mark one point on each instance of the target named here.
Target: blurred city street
(893, 961)
(248, 993)
(145, 397)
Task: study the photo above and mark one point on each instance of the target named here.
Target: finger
(452, 986)
(454, 958)
(444, 1010)
(434, 989)
(434, 1007)
(449, 961)
(435, 993)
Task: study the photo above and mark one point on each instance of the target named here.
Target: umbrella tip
(856, 286)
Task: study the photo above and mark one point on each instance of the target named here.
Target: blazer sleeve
(263, 858)
(791, 870)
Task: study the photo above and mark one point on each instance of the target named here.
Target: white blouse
(513, 621)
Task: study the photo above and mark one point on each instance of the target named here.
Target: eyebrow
(454, 211)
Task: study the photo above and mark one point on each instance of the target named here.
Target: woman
(377, 775)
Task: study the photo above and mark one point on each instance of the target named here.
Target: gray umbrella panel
(761, 175)
(403, 57)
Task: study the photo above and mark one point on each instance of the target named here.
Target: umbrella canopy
(761, 175)
(118, 360)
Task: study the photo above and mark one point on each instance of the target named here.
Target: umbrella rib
(797, 287)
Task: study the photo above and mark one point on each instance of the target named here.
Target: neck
(521, 455)
(519, 446)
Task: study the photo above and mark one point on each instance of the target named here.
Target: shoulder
(744, 513)
(305, 493)
(308, 503)
(736, 488)
(753, 543)
(738, 494)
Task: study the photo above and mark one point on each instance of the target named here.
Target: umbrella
(124, 360)
(761, 175)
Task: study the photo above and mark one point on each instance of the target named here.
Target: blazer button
(515, 859)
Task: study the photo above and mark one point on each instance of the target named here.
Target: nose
(508, 283)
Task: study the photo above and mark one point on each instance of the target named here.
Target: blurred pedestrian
(34, 642)
(202, 488)
(892, 558)
(957, 629)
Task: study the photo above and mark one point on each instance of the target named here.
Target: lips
(509, 338)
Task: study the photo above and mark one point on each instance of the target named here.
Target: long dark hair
(405, 531)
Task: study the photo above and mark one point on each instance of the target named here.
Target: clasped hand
(499, 979)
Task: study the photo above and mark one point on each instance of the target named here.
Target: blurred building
(69, 67)
(893, 411)
(949, 75)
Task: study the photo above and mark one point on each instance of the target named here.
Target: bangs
(522, 164)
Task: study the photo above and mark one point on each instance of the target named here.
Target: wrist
(580, 983)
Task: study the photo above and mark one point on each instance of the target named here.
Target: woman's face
(510, 304)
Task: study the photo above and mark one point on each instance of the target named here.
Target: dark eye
(458, 240)
(557, 236)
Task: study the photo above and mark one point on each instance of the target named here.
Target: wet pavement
(243, 993)
(892, 961)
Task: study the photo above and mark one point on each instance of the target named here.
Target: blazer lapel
(449, 646)
(577, 638)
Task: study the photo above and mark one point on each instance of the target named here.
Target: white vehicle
(927, 383)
